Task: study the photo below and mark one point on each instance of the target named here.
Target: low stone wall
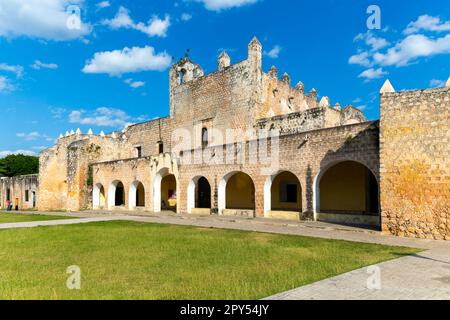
(284, 215)
(355, 219)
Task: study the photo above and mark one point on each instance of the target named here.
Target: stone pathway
(33, 224)
(422, 276)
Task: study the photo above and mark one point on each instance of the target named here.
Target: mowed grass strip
(27, 217)
(130, 260)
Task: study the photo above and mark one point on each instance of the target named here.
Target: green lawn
(129, 260)
(25, 217)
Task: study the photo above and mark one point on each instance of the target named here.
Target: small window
(182, 75)
(160, 147)
(139, 152)
(8, 195)
(205, 138)
(288, 193)
(27, 195)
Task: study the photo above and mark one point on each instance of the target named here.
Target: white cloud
(274, 53)
(219, 5)
(371, 73)
(121, 20)
(128, 60)
(5, 153)
(186, 17)
(155, 27)
(427, 23)
(375, 43)
(104, 117)
(134, 84)
(18, 70)
(5, 84)
(33, 136)
(57, 113)
(378, 53)
(103, 4)
(41, 65)
(361, 59)
(363, 107)
(411, 48)
(42, 19)
(436, 83)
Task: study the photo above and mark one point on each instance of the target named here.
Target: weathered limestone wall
(306, 155)
(147, 135)
(64, 169)
(129, 171)
(414, 156)
(279, 97)
(311, 119)
(18, 188)
(126, 171)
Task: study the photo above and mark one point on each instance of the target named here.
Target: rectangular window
(139, 152)
(160, 147)
(205, 138)
(8, 195)
(288, 193)
(27, 195)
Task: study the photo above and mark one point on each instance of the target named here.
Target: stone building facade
(19, 191)
(244, 142)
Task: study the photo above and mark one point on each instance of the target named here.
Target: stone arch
(347, 191)
(282, 193)
(236, 193)
(164, 191)
(98, 197)
(136, 195)
(116, 194)
(199, 195)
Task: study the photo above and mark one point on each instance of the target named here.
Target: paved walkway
(422, 276)
(33, 224)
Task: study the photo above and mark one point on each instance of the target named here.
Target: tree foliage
(17, 165)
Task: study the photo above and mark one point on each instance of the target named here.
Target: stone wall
(232, 98)
(22, 192)
(64, 169)
(311, 119)
(414, 152)
(129, 171)
(306, 155)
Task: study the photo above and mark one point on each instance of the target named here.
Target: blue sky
(58, 73)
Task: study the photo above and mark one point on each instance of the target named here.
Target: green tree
(17, 165)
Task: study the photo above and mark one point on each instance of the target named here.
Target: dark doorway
(204, 194)
(120, 195)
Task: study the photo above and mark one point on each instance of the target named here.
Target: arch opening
(98, 197)
(283, 196)
(347, 192)
(165, 191)
(116, 194)
(137, 195)
(199, 196)
(237, 195)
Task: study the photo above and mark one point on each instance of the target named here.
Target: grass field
(129, 260)
(24, 217)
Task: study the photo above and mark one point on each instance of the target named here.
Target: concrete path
(33, 224)
(422, 276)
